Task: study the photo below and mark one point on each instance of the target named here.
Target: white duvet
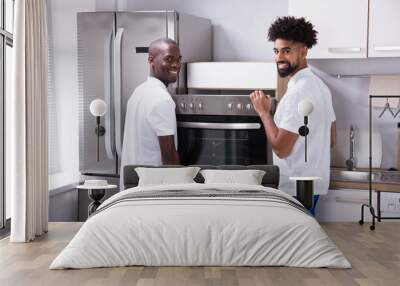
(200, 231)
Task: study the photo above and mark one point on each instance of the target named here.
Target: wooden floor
(374, 255)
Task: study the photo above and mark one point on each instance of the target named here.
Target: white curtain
(26, 117)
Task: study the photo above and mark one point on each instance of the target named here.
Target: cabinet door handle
(211, 125)
(387, 48)
(355, 200)
(117, 90)
(109, 117)
(344, 50)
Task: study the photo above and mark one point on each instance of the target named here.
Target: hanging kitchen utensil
(398, 109)
(387, 107)
(398, 147)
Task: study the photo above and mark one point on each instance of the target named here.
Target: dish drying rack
(376, 216)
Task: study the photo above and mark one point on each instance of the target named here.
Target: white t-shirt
(150, 113)
(305, 85)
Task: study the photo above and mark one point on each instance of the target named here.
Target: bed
(198, 224)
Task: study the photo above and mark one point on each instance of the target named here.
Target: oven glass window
(222, 146)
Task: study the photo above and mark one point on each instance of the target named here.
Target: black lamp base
(305, 192)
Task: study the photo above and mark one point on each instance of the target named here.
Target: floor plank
(374, 255)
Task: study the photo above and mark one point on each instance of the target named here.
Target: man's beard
(284, 72)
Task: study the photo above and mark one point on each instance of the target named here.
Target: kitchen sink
(362, 175)
(356, 176)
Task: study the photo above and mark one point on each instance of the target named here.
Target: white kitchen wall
(239, 34)
(240, 29)
(350, 101)
(110, 5)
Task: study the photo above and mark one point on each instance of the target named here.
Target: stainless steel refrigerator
(112, 62)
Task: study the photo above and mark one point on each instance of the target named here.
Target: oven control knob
(249, 106)
(191, 105)
(230, 106)
(239, 106)
(183, 105)
(200, 105)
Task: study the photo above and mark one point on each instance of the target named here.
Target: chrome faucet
(351, 162)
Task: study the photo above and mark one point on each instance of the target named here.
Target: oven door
(222, 140)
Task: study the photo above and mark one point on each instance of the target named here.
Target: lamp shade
(98, 107)
(305, 107)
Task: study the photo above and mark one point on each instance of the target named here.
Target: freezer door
(135, 31)
(95, 50)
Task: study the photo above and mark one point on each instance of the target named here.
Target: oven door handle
(211, 125)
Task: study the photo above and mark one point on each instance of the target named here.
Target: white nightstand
(95, 193)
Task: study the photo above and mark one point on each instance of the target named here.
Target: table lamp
(98, 108)
(305, 185)
(305, 108)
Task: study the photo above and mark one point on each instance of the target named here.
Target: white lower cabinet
(390, 204)
(343, 205)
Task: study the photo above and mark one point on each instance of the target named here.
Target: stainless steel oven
(220, 130)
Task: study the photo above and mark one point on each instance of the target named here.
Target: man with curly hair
(293, 37)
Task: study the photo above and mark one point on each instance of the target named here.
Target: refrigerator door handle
(117, 90)
(109, 116)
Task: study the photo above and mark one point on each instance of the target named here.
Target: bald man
(150, 122)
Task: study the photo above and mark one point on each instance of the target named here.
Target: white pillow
(164, 176)
(248, 177)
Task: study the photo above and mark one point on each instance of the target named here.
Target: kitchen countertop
(382, 187)
(383, 180)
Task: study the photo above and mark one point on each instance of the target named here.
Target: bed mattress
(201, 225)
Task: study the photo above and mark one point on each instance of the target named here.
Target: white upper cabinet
(384, 28)
(342, 26)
